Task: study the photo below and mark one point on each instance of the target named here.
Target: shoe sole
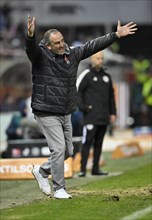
(64, 198)
(38, 184)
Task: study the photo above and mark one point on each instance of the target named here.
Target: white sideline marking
(138, 214)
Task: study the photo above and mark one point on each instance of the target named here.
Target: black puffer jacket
(54, 76)
(95, 89)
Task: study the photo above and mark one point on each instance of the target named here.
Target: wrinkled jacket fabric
(96, 89)
(54, 76)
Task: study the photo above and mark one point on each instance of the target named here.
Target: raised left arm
(128, 29)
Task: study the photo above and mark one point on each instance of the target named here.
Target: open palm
(127, 29)
(31, 26)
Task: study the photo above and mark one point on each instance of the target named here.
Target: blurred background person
(96, 101)
(147, 96)
(141, 69)
(15, 130)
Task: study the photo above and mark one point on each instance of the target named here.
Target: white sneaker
(43, 182)
(62, 194)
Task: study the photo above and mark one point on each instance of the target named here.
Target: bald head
(97, 60)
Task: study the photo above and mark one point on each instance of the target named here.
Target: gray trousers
(58, 133)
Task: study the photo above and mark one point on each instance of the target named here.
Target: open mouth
(61, 49)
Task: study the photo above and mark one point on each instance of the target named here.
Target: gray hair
(46, 38)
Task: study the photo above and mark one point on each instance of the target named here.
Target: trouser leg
(53, 129)
(99, 136)
(88, 136)
(67, 129)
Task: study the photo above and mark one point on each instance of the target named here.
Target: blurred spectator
(76, 119)
(141, 68)
(77, 126)
(15, 130)
(6, 11)
(147, 95)
(18, 40)
(2, 24)
(5, 22)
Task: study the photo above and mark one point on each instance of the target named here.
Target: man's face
(57, 44)
(97, 60)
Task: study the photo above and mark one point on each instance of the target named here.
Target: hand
(125, 30)
(88, 108)
(30, 26)
(19, 131)
(112, 118)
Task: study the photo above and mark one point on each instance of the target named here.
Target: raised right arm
(32, 49)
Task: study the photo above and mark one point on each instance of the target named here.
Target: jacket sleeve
(81, 89)
(94, 46)
(33, 51)
(112, 103)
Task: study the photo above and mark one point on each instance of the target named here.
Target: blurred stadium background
(128, 60)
